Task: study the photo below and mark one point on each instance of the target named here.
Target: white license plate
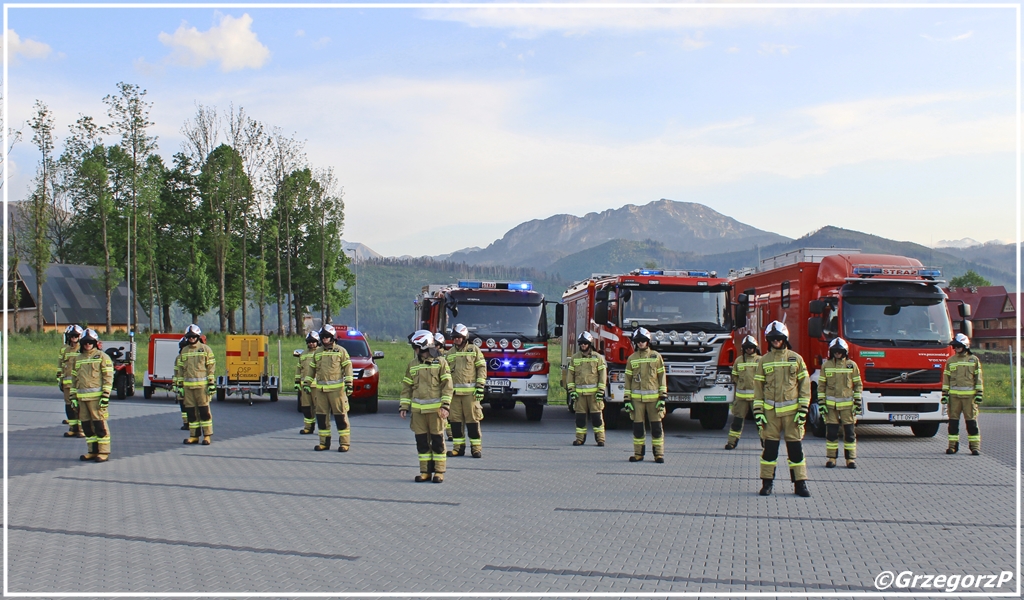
(680, 397)
(905, 417)
(499, 383)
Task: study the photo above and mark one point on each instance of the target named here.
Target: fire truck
(892, 312)
(508, 322)
(690, 317)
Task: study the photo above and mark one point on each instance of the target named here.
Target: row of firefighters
(444, 389)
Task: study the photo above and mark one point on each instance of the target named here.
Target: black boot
(766, 487)
(954, 449)
(800, 489)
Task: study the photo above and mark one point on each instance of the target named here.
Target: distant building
(992, 312)
(71, 294)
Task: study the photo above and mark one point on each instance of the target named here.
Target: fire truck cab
(891, 311)
(689, 315)
(508, 322)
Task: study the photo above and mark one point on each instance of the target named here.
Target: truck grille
(880, 375)
(898, 407)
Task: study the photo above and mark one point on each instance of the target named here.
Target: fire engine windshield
(503, 319)
(691, 308)
(895, 317)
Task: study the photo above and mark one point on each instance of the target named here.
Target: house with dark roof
(71, 294)
(993, 313)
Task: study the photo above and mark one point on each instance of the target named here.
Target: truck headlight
(537, 366)
(369, 372)
(723, 378)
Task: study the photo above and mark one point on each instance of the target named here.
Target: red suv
(364, 371)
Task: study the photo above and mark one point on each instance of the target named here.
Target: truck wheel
(815, 422)
(534, 410)
(925, 430)
(273, 394)
(611, 413)
(221, 394)
(714, 417)
(371, 404)
(131, 386)
(147, 391)
(121, 383)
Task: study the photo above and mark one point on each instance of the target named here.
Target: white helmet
(961, 340)
(839, 344)
(460, 330)
(422, 339)
(776, 330)
(72, 330)
(312, 337)
(439, 338)
(193, 330)
(750, 342)
(585, 338)
(641, 335)
(89, 336)
(328, 331)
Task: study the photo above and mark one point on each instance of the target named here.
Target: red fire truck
(690, 317)
(508, 322)
(890, 309)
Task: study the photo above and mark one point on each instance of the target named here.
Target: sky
(448, 126)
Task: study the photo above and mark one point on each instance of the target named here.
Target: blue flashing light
(867, 270)
(522, 363)
(520, 285)
(651, 272)
(353, 332)
(698, 274)
(506, 363)
(474, 285)
(930, 273)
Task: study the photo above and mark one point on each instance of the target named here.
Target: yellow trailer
(248, 372)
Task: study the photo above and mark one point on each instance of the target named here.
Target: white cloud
(322, 42)
(300, 33)
(27, 48)
(231, 42)
(767, 48)
(694, 43)
(955, 38)
(732, 49)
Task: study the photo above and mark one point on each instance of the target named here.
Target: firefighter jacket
(586, 374)
(300, 368)
(781, 382)
(329, 369)
(427, 385)
(468, 367)
(645, 376)
(196, 366)
(92, 376)
(839, 385)
(743, 376)
(65, 362)
(962, 376)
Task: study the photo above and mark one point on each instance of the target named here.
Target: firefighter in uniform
(962, 389)
(197, 384)
(427, 395)
(782, 395)
(65, 364)
(839, 401)
(92, 378)
(176, 387)
(441, 351)
(647, 387)
(743, 378)
(306, 399)
(469, 374)
(330, 371)
(585, 386)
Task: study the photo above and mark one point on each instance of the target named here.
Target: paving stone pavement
(258, 511)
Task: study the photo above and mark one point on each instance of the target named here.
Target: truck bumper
(718, 394)
(902, 410)
(534, 388)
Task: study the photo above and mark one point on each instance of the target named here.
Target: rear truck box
(163, 353)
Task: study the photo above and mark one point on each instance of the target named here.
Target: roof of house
(77, 291)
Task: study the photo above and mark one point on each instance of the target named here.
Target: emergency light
(647, 272)
(353, 332)
(896, 270)
(496, 285)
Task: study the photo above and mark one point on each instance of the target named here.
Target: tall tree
(129, 113)
(249, 139)
(286, 155)
(39, 250)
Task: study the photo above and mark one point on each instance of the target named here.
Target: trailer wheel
(147, 391)
(534, 410)
(925, 430)
(372, 404)
(273, 394)
(612, 411)
(131, 386)
(714, 417)
(121, 383)
(221, 394)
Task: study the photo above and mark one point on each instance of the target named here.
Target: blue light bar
(698, 274)
(520, 285)
(930, 273)
(651, 272)
(496, 285)
(475, 285)
(353, 332)
(867, 270)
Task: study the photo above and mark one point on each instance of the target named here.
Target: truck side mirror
(558, 331)
(378, 354)
(601, 312)
(559, 316)
(965, 310)
(816, 307)
(601, 295)
(814, 328)
(626, 295)
(967, 328)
